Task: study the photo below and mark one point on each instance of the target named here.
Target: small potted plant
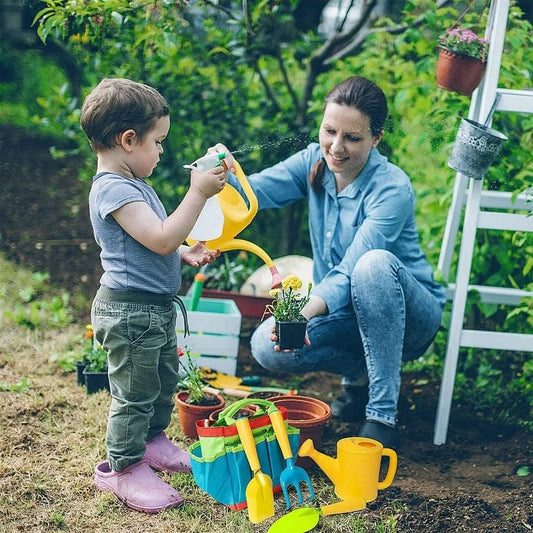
(193, 401)
(94, 362)
(462, 60)
(286, 308)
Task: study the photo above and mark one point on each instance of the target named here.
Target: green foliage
(33, 312)
(240, 78)
(27, 76)
(96, 359)
(192, 381)
(66, 361)
(22, 386)
(228, 273)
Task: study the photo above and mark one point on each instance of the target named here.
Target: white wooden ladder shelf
(505, 214)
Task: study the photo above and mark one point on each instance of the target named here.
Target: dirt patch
(470, 484)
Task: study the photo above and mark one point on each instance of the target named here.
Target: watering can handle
(246, 187)
(393, 463)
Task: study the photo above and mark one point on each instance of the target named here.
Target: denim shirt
(376, 211)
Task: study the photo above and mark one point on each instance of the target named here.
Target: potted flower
(462, 60)
(83, 361)
(286, 308)
(193, 401)
(94, 362)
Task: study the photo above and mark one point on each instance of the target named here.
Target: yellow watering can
(356, 470)
(226, 214)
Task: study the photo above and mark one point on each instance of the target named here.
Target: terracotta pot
(307, 414)
(458, 72)
(250, 306)
(291, 335)
(190, 414)
(263, 394)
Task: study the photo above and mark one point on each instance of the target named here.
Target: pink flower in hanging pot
(465, 41)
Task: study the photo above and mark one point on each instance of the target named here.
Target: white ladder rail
(475, 198)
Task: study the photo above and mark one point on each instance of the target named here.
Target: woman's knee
(262, 347)
(373, 265)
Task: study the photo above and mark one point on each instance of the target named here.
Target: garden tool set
(243, 461)
(226, 214)
(236, 386)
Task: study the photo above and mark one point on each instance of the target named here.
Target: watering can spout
(327, 464)
(276, 277)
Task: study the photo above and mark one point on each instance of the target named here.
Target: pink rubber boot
(138, 486)
(162, 454)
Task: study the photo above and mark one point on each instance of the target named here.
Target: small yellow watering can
(226, 214)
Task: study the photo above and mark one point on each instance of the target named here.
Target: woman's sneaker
(387, 435)
(350, 405)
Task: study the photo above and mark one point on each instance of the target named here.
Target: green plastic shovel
(306, 518)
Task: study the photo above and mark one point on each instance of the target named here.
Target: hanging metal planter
(476, 146)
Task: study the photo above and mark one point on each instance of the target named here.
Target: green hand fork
(291, 475)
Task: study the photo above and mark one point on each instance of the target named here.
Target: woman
(374, 302)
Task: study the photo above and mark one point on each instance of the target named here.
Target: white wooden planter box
(215, 329)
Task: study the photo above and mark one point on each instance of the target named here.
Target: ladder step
(505, 200)
(494, 295)
(495, 340)
(515, 101)
(505, 221)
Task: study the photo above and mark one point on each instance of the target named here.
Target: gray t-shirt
(127, 264)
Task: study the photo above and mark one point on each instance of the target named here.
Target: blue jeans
(392, 318)
(140, 338)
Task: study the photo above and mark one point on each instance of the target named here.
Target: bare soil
(469, 484)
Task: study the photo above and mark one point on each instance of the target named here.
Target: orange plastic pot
(189, 414)
(244, 411)
(309, 415)
(458, 72)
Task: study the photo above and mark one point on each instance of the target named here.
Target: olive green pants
(138, 331)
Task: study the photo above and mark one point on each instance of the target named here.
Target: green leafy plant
(94, 356)
(35, 312)
(465, 41)
(288, 301)
(192, 381)
(21, 386)
(229, 273)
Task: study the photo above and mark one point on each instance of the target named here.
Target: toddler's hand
(209, 182)
(198, 254)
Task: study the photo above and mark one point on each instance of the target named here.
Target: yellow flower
(287, 302)
(291, 282)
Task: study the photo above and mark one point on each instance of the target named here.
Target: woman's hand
(274, 338)
(198, 254)
(228, 160)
